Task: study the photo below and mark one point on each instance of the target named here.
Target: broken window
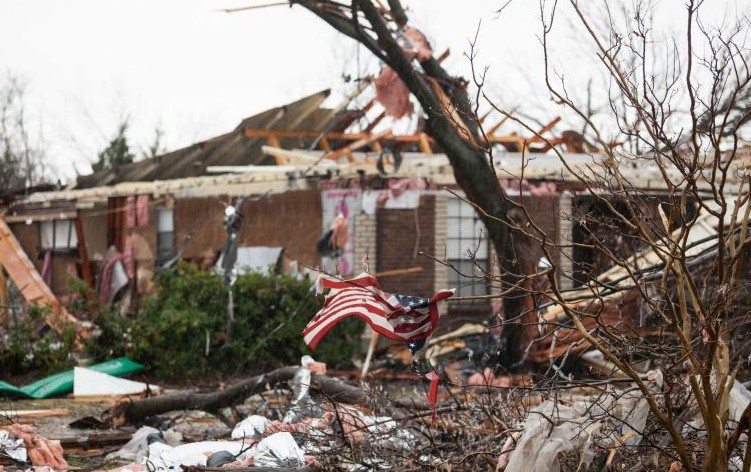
(165, 235)
(58, 236)
(466, 249)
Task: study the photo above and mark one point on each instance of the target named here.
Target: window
(165, 236)
(58, 235)
(466, 249)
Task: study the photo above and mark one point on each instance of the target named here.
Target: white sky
(195, 71)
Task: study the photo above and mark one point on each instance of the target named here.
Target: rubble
(516, 426)
(40, 451)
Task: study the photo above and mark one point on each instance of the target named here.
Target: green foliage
(33, 348)
(113, 337)
(181, 333)
(82, 301)
(117, 151)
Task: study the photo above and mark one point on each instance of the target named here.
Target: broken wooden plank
(33, 289)
(83, 252)
(48, 413)
(360, 143)
(425, 144)
(4, 301)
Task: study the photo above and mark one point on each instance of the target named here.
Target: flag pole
(375, 336)
(369, 356)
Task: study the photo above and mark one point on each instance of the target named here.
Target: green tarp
(8, 390)
(62, 383)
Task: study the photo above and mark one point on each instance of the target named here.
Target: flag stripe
(363, 297)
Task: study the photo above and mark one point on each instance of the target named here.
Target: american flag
(402, 318)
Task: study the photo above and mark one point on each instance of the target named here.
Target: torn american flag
(399, 317)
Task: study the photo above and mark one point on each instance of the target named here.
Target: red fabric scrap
(433, 392)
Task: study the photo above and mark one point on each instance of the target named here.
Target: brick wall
(439, 249)
(544, 211)
(565, 261)
(291, 220)
(364, 241)
(203, 217)
(402, 235)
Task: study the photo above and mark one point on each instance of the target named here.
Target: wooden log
(96, 442)
(134, 412)
(83, 252)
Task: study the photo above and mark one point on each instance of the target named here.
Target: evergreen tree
(117, 152)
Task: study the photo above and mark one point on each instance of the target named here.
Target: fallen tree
(134, 412)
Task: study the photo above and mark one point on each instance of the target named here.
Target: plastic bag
(278, 450)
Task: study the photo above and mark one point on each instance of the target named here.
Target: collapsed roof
(230, 149)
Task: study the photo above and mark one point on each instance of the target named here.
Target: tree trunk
(450, 122)
(134, 412)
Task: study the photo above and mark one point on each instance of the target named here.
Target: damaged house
(321, 188)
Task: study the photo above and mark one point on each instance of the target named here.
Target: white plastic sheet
(251, 427)
(12, 447)
(278, 450)
(165, 457)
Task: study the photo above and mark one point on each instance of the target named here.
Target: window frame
(467, 249)
(68, 245)
(164, 254)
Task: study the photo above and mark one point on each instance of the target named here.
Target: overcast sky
(194, 71)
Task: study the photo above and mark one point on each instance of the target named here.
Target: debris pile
(22, 444)
(298, 418)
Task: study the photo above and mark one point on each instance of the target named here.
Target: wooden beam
(375, 122)
(366, 137)
(83, 252)
(484, 116)
(4, 301)
(425, 147)
(391, 273)
(34, 413)
(368, 105)
(273, 140)
(34, 217)
(443, 55)
(495, 127)
(360, 143)
(537, 137)
(33, 289)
